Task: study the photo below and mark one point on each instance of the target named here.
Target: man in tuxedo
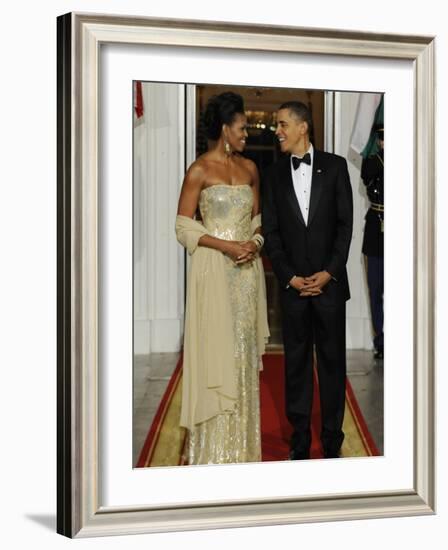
(307, 226)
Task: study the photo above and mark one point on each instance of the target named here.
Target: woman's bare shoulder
(248, 165)
(198, 168)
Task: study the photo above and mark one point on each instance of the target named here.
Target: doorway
(262, 147)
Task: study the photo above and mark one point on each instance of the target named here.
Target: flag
(372, 146)
(138, 99)
(364, 120)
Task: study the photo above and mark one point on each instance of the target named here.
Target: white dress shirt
(302, 186)
(302, 183)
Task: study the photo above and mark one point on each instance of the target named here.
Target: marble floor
(152, 374)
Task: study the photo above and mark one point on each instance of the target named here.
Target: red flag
(138, 99)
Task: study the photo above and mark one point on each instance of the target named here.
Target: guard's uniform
(372, 174)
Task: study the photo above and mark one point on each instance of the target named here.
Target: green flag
(372, 145)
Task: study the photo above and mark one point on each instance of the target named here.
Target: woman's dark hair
(302, 112)
(221, 109)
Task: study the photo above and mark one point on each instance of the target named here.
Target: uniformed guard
(372, 174)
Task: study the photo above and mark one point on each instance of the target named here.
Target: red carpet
(165, 440)
(276, 430)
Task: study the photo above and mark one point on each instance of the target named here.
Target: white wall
(359, 326)
(28, 274)
(158, 258)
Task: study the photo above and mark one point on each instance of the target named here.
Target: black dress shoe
(298, 455)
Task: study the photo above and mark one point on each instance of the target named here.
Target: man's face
(290, 130)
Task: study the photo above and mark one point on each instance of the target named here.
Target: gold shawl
(209, 383)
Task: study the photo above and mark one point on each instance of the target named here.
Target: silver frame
(79, 39)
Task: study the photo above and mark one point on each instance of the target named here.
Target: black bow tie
(296, 160)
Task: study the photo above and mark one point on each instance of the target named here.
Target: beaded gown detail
(233, 436)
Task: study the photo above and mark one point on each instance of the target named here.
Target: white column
(359, 327)
(158, 258)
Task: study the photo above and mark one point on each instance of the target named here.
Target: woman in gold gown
(226, 321)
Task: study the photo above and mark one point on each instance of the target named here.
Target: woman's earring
(227, 148)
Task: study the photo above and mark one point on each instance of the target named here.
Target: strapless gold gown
(234, 436)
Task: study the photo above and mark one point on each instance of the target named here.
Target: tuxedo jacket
(296, 248)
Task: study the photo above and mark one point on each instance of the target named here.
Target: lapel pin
(319, 171)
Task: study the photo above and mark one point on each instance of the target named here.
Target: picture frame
(80, 510)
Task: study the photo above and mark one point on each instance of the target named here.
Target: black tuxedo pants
(307, 326)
